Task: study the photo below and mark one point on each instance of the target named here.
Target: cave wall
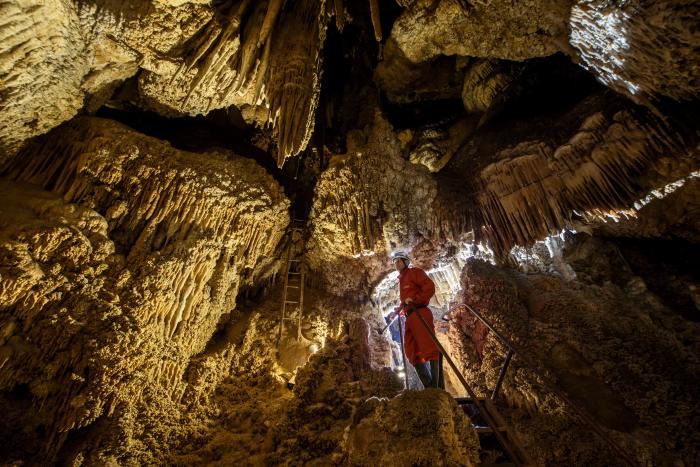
(623, 353)
(154, 248)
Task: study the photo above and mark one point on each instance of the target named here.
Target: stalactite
(532, 190)
(273, 11)
(293, 80)
(339, 14)
(626, 45)
(192, 230)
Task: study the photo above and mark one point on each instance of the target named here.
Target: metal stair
(506, 446)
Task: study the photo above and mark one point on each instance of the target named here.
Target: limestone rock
(494, 29)
(42, 65)
(363, 205)
(484, 81)
(178, 235)
(262, 56)
(532, 190)
(641, 49)
(57, 55)
(434, 146)
(417, 427)
(405, 81)
(614, 362)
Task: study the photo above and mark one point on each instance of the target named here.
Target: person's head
(400, 260)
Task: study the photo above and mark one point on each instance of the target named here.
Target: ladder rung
(290, 301)
(295, 273)
(292, 286)
(295, 261)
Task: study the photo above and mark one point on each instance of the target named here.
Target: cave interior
(199, 200)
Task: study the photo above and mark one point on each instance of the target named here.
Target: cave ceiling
(519, 119)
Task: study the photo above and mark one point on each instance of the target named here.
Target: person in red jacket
(416, 290)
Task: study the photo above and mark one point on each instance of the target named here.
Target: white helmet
(402, 255)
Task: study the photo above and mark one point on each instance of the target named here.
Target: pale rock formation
(533, 189)
(42, 65)
(367, 202)
(667, 212)
(484, 81)
(494, 29)
(58, 55)
(177, 237)
(232, 61)
(435, 145)
(643, 50)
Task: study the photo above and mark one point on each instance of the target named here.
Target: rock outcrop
(494, 29)
(57, 56)
(532, 190)
(61, 57)
(144, 266)
(611, 351)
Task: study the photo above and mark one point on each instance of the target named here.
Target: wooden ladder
(294, 278)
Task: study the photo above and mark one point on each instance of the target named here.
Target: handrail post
(482, 410)
(502, 374)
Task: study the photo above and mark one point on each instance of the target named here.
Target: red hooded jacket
(419, 346)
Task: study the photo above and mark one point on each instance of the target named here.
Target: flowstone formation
(105, 306)
(175, 175)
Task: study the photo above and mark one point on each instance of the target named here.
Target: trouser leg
(423, 374)
(441, 379)
(435, 373)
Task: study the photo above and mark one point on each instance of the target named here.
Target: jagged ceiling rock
(42, 66)
(143, 268)
(405, 81)
(494, 29)
(670, 212)
(533, 189)
(484, 81)
(255, 55)
(57, 55)
(434, 146)
(60, 57)
(641, 49)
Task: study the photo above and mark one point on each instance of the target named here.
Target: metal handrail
(482, 410)
(550, 385)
